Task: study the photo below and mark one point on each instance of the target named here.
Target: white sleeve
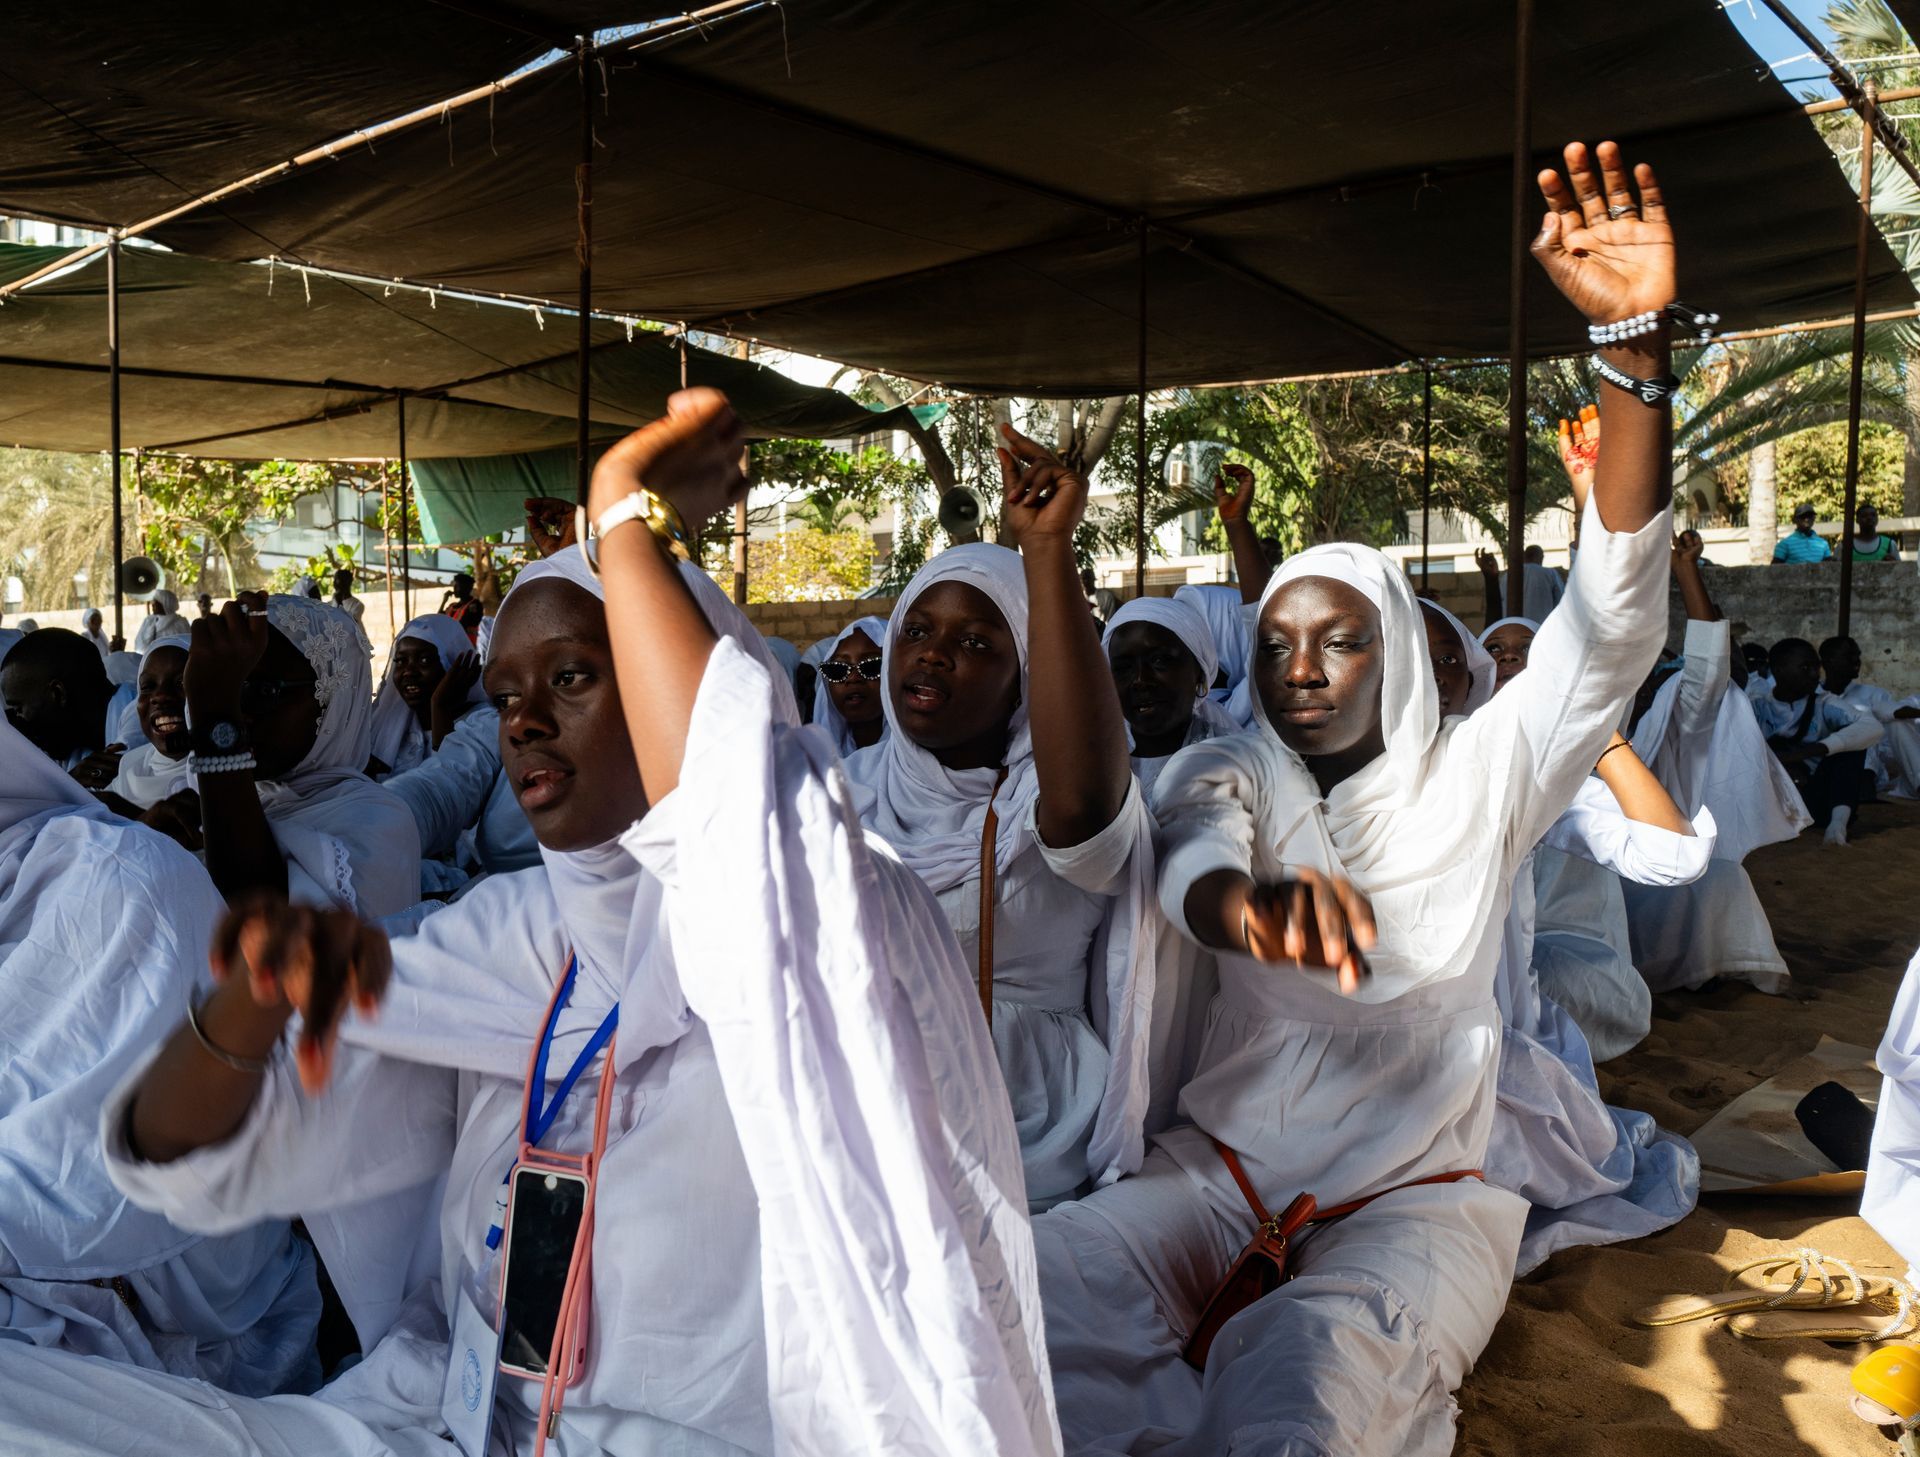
(1098, 865)
(1548, 725)
(380, 1126)
(1206, 802)
(1594, 828)
(1703, 683)
(448, 790)
(896, 1263)
(1854, 732)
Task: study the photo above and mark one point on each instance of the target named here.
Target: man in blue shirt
(1801, 545)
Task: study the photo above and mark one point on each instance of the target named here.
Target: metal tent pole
(744, 349)
(113, 409)
(1517, 307)
(1140, 434)
(406, 544)
(1426, 479)
(1863, 242)
(583, 250)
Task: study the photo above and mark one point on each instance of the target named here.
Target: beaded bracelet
(220, 763)
(1695, 322)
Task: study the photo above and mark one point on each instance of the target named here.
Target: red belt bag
(1261, 1268)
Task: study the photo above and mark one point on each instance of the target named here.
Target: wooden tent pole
(113, 435)
(1140, 432)
(583, 250)
(1426, 480)
(1863, 244)
(1517, 306)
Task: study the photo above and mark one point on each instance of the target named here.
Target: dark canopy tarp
(464, 500)
(115, 111)
(245, 361)
(951, 189)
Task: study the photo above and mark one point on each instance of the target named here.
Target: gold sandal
(1884, 1312)
(1809, 1267)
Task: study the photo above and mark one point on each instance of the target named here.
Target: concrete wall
(1765, 604)
(805, 623)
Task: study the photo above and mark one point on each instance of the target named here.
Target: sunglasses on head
(836, 670)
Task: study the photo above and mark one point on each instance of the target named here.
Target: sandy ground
(1565, 1373)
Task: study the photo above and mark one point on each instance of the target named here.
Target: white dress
(104, 927)
(1360, 1352)
(1891, 1203)
(892, 1296)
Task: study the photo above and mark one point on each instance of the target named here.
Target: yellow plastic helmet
(1890, 1380)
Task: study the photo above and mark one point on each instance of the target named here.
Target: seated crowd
(576, 1042)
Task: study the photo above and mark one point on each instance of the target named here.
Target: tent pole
(742, 349)
(1517, 306)
(1140, 434)
(113, 428)
(406, 545)
(386, 543)
(1426, 480)
(583, 250)
(1862, 247)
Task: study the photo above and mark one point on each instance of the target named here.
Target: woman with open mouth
(1004, 783)
(432, 680)
(153, 784)
(847, 689)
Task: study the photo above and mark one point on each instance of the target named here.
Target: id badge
(466, 1398)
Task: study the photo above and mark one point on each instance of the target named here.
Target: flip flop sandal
(1886, 1313)
(1812, 1286)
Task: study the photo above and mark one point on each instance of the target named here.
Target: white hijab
(146, 775)
(1186, 622)
(932, 815)
(1481, 668)
(824, 713)
(1415, 838)
(394, 723)
(1225, 616)
(1492, 627)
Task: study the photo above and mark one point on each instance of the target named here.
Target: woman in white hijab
(432, 679)
(103, 936)
(1005, 734)
(1226, 616)
(163, 619)
(90, 630)
(786, 1027)
(279, 697)
(1382, 1087)
(153, 784)
(847, 682)
(1164, 662)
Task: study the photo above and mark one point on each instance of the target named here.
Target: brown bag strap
(1338, 1211)
(989, 838)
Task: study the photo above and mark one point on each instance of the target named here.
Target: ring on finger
(1620, 210)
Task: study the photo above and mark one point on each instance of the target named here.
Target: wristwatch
(222, 736)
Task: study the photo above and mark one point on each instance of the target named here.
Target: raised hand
(225, 648)
(301, 959)
(690, 457)
(1487, 561)
(1687, 548)
(1044, 496)
(1611, 254)
(1233, 493)
(549, 524)
(1580, 451)
(1311, 919)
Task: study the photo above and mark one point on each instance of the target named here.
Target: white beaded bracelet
(1624, 329)
(220, 763)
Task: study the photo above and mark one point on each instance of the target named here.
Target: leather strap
(1337, 1211)
(989, 839)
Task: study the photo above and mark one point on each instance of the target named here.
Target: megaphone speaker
(960, 515)
(140, 577)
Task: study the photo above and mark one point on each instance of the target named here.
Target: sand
(1565, 1373)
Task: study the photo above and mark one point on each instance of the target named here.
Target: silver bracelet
(1624, 329)
(220, 1054)
(221, 763)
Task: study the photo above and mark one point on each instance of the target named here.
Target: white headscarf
(599, 891)
(394, 723)
(785, 654)
(95, 635)
(1225, 616)
(932, 815)
(147, 776)
(1492, 627)
(1414, 838)
(824, 713)
(1481, 668)
(1186, 622)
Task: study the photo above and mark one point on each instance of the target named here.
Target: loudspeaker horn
(140, 577)
(960, 515)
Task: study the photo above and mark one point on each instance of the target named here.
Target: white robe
(1891, 1203)
(470, 823)
(1345, 1096)
(893, 1309)
(103, 934)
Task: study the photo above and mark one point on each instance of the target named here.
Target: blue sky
(1774, 42)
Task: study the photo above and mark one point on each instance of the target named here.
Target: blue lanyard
(539, 1119)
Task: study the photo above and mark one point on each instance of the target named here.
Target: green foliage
(195, 508)
(1811, 466)
(802, 566)
(56, 520)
